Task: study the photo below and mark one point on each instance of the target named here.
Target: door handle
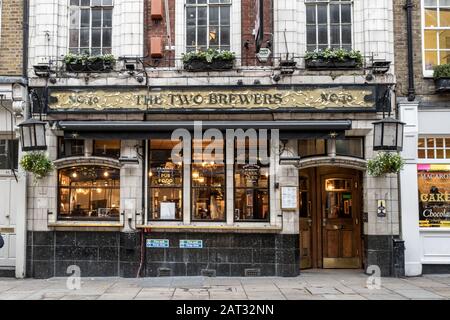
(310, 222)
(324, 222)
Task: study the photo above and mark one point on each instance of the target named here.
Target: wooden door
(305, 220)
(341, 245)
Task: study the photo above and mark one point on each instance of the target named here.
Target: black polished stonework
(435, 268)
(112, 254)
(386, 252)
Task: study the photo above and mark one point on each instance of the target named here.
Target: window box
(201, 65)
(322, 64)
(333, 59)
(442, 84)
(209, 60)
(86, 63)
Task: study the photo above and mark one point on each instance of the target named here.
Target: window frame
(315, 3)
(103, 156)
(269, 181)
(95, 219)
(90, 7)
(425, 148)
(58, 149)
(224, 187)
(207, 5)
(429, 73)
(149, 188)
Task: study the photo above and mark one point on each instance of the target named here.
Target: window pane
(322, 14)
(213, 36)
(334, 13)
(431, 59)
(335, 34)
(445, 57)
(107, 18)
(201, 37)
(445, 17)
(106, 37)
(214, 16)
(190, 36)
(311, 147)
(85, 19)
(225, 36)
(191, 16)
(208, 204)
(165, 181)
(74, 2)
(107, 2)
(96, 18)
(107, 148)
(323, 34)
(251, 204)
(311, 35)
(311, 14)
(444, 39)
(224, 15)
(89, 193)
(430, 3)
(352, 147)
(74, 17)
(430, 39)
(346, 34)
(431, 18)
(73, 38)
(96, 37)
(96, 2)
(84, 37)
(85, 2)
(202, 19)
(346, 13)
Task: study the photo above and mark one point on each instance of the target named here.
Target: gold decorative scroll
(318, 98)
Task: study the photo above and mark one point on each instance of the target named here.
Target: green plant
(442, 71)
(37, 163)
(384, 163)
(71, 58)
(335, 55)
(209, 56)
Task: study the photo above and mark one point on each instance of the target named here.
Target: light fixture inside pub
(32, 134)
(388, 135)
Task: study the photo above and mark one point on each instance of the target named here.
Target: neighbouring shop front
(258, 181)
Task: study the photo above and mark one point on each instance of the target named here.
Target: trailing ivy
(37, 163)
(335, 55)
(442, 71)
(384, 163)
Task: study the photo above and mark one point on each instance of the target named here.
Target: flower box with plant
(209, 60)
(86, 63)
(37, 163)
(441, 77)
(385, 163)
(333, 59)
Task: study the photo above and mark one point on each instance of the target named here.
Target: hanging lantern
(32, 134)
(388, 135)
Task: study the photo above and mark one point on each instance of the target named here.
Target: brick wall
(11, 38)
(158, 28)
(248, 24)
(424, 86)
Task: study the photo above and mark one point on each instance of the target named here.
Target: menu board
(289, 198)
(434, 196)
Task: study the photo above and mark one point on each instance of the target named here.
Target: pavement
(310, 285)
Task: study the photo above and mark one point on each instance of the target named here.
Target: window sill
(86, 224)
(210, 229)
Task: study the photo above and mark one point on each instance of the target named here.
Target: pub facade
(207, 141)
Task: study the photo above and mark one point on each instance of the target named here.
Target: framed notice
(167, 210)
(289, 198)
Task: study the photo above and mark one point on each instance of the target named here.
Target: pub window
(9, 152)
(90, 26)
(107, 148)
(70, 147)
(434, 195)
(434, 148)
(328, 24)
(208, 24)
(208, 184)
(350, 147)
(436, 34)
(165, 182)
(251, 190)
(311, 147)
(89, 193)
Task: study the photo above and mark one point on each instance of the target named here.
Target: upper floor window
(434, 148)
(70, 147)
(90, 26)
(9, 152)
(107, 148)
(436, 34)
(208, 24)
(328, 24)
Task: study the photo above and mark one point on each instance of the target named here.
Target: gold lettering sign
(319, 98)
